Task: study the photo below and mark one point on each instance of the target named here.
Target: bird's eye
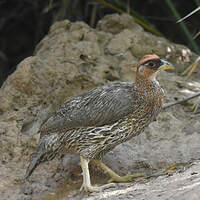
(151, 64)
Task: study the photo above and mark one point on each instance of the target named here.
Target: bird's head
(150, 65)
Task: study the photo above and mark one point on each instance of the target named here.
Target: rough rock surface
(74, 58)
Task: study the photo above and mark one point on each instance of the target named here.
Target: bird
(95, 122)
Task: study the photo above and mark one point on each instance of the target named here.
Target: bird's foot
(90, 188)
(86, 186)
(114, 176)
(126, 178)
(168, 171)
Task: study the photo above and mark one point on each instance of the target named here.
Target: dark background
(23, 23)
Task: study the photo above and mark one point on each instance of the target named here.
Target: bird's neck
(145, 85)
(151, 91)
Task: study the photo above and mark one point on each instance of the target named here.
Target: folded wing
(103, 105)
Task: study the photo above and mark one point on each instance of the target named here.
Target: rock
(116, 23)
(183, 186)
(74, 58)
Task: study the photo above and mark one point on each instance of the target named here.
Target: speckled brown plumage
(95, 122)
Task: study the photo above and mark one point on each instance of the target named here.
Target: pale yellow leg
(86, 179)
(114, 176)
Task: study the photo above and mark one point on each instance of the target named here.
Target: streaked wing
(103, 105)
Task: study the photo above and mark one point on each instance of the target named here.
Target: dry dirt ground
(74, 58)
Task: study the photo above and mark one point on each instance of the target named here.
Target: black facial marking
(154, 64)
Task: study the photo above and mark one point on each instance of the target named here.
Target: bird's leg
(86, 179)
(114, 176)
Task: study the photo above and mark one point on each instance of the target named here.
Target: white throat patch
(153, 76)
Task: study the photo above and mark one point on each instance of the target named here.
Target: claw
(170, 168)
(90, 188)
(195, 108)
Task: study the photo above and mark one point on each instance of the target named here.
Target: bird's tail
(36, 159)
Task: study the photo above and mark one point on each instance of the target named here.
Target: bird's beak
(166, 65)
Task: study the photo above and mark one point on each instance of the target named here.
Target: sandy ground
(182, 183)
